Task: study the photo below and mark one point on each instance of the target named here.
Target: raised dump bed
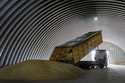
(73, 51)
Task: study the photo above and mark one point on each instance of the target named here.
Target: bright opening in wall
(108, 58)
(93, 52)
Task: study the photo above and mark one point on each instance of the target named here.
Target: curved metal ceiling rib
(29, 28)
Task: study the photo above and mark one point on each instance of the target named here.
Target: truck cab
(101, 58)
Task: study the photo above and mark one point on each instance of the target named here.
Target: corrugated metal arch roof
(29, 29)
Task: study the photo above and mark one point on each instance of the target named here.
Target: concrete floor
(114, 74)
